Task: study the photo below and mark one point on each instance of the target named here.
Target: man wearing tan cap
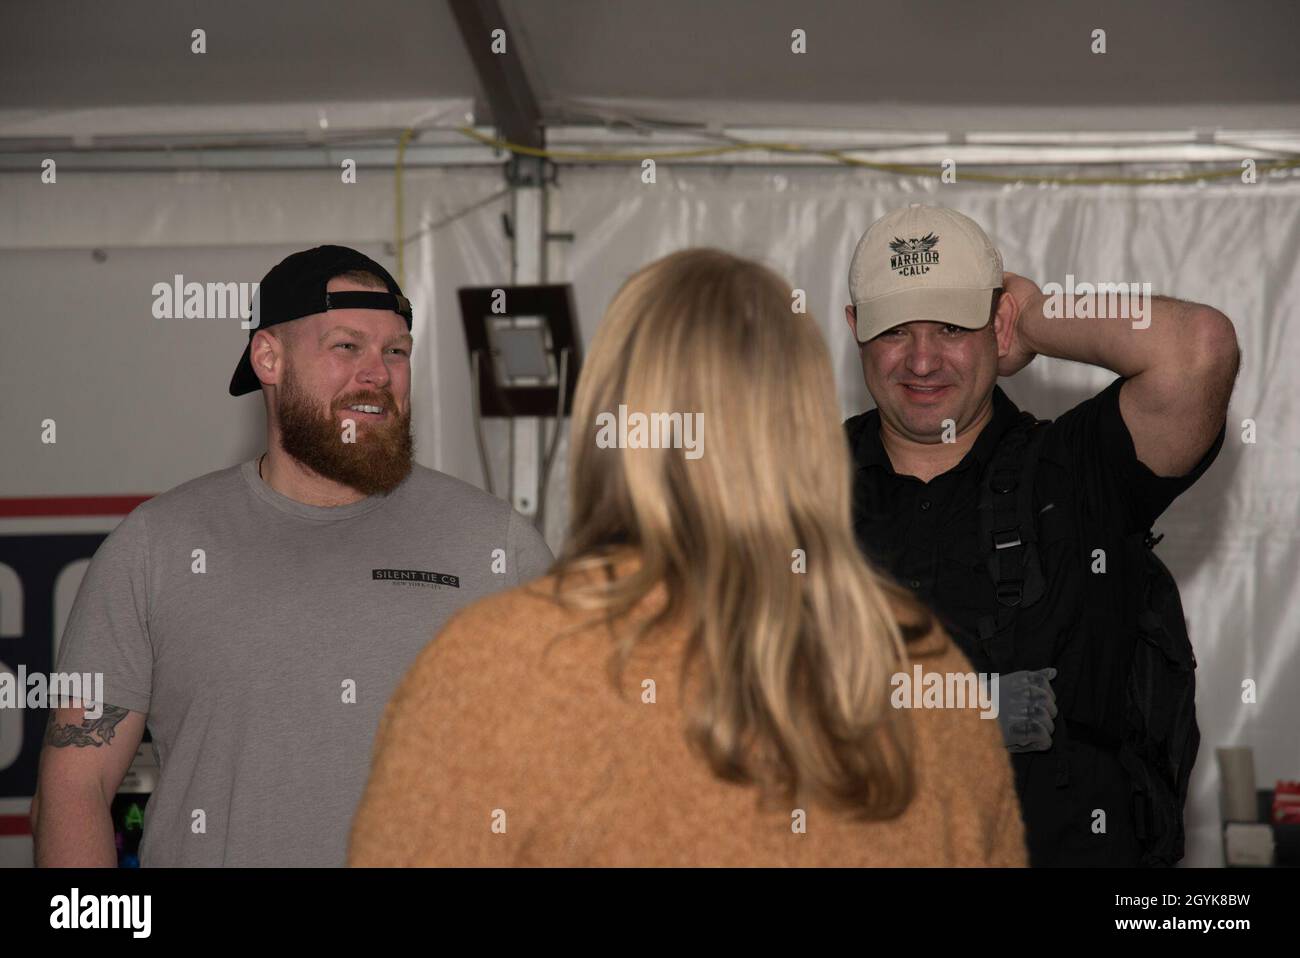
(1021, 534)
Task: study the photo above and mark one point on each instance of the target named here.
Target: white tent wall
(1231, 541)
(141, 403)
(148, 407)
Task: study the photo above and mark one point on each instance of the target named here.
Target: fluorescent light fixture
(521, 350)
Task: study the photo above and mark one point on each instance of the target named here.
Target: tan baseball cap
(923, 263)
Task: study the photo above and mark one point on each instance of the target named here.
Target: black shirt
(1090, 492)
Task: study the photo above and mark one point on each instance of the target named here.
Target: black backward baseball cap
(295, 287)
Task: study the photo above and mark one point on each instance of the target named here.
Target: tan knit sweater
(503, 747)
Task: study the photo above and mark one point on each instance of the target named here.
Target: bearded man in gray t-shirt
(258, 618)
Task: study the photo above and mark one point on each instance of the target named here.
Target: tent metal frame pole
(528, 267)
(515, 114)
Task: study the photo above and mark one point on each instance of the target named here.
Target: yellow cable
(399, 241)
(842, 157)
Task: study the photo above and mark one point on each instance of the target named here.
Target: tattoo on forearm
(96, 731)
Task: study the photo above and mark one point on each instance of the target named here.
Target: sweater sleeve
(976, 759)
(1008, 837)
(450, 764)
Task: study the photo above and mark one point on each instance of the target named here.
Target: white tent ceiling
(926, 65)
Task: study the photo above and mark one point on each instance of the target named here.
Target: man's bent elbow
(1215, 355)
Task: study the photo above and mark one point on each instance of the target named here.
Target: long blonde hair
(796, 664)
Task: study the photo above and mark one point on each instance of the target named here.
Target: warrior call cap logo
(897, 276)
(915, 256)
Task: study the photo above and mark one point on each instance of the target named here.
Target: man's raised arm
(1180, 360)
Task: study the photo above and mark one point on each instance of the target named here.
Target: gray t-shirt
(264, 661)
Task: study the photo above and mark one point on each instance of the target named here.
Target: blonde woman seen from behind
(707, 676)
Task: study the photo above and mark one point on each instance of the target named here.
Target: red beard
(376, 462)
